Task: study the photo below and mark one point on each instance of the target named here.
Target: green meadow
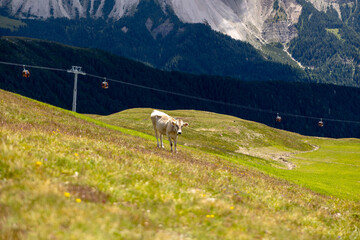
(65, 175)
(328, 166)
(10, 24)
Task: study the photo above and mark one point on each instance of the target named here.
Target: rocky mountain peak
(254, 21)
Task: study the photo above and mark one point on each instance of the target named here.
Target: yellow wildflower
(66, 194)
(78, 200)
(232, 208)
(76, 155)
(38, 163)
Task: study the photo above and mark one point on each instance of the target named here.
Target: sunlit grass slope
(328, 166)
(64, 176)
(10, 24)
(216, 133)
(333, 169)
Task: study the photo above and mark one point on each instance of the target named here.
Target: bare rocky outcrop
(324, 5)
(254, 21)
(280, 24)
(247, 20)
(163, 29)
(279, 31)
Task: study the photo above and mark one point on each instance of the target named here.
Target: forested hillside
(162, 41)
(328, 46)
(245, 99)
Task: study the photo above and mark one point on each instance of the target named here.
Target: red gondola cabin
(321, 123)
(25, 73)
(278, 118)
(105, 85)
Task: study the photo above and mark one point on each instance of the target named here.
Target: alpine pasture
(65, 175)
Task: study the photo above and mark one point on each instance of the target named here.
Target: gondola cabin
(26, 73)
(321, 123)
(105, 85)
(278, 118)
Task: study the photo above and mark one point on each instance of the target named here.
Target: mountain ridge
(318, 42)
(233, 18)
(241, 19)
(164, 42)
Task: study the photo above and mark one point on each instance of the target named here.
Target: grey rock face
(279, 31)
(255, 21)
(163, 29)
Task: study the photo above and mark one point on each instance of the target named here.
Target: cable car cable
(190, 96)
(223, 103)
(32, 66)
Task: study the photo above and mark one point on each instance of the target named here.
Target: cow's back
(160, 121)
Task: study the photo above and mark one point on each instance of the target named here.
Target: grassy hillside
(328, 166)
(216, 133)
(11, 24)
(67, 176)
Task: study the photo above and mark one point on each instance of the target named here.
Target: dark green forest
(256, 97)
(329, 46)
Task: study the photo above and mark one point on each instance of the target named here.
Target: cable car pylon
(76, 70)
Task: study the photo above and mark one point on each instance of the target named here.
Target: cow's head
(178, 124)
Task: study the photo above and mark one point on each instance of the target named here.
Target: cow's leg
(161, 141)
(156, 135)
(171, 144)
(175, 141)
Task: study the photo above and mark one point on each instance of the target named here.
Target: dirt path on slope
(299, 63)
(284, 156)
(278, 157)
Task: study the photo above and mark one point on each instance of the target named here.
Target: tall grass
(63, 177)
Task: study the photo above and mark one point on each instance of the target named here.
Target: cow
(165, 125)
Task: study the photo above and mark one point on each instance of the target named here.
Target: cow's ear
(185, 124)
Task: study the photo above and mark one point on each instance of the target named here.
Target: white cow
(165, 125)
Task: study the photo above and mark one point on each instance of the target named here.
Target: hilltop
(65, 175)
